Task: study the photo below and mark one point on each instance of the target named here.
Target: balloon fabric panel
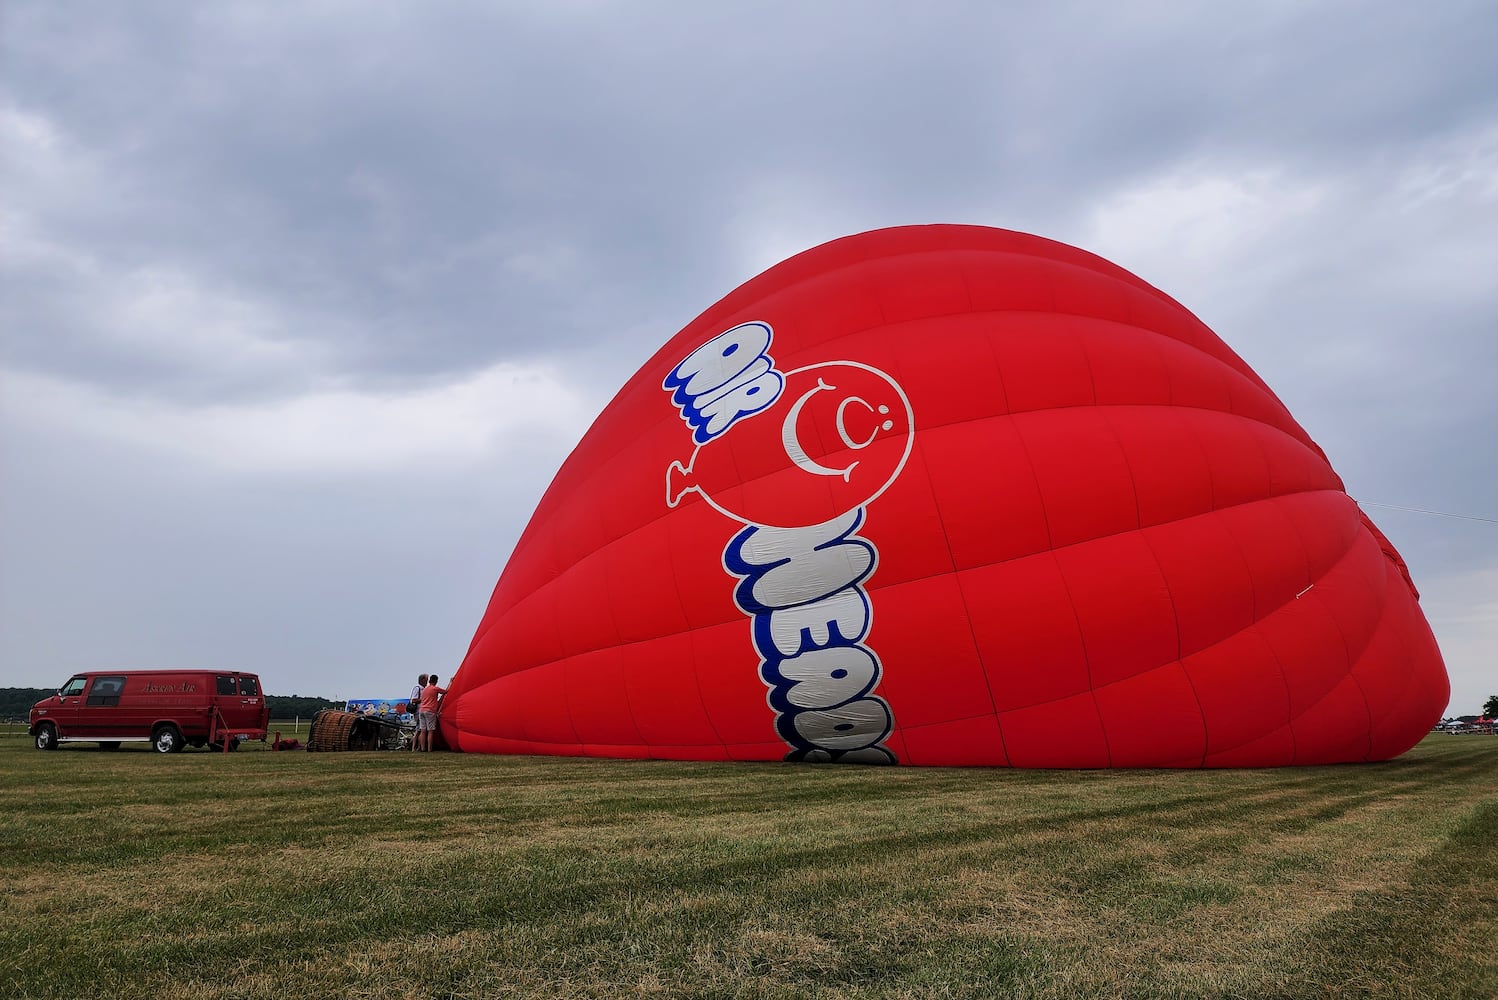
(948, 495)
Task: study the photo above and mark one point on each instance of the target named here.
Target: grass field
(255, 874)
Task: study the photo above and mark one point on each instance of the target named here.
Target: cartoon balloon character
(797, 457)
(809, 446)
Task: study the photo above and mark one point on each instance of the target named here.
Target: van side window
(225, 684)
(106, 691)
(249, 686)
(73, 687)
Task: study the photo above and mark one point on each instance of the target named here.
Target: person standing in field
(426, 722)
(413, 705)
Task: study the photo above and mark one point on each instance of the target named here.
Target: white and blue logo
(802, 589)
(728, 378)
(801, 584)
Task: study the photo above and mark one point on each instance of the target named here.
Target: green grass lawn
(132, 874)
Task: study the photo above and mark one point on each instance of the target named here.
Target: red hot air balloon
(949, 495)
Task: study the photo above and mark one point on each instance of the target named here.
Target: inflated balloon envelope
(949, 495)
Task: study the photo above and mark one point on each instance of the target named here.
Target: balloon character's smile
(861, 407)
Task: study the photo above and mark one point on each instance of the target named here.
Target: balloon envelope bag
(949, 495)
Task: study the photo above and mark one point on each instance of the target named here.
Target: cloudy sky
(302, 305)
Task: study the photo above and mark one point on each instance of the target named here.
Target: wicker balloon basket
(335, 730)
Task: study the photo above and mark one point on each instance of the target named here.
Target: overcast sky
(302, 305)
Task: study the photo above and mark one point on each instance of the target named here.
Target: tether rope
(1422, 510)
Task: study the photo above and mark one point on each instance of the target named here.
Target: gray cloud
(251, 206)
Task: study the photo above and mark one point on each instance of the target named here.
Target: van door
(238, 701)
(99, 715)
(226, 700)
(62, 708)
(252, 701)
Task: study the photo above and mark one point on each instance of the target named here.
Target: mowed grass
(255, 874)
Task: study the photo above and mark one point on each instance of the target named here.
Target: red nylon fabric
(1089, 536)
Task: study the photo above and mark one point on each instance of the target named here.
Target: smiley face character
(835, 439)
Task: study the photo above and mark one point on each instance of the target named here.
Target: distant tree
(294, 706)
(15, 703)
(1490, 707)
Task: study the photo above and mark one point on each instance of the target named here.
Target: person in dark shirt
(413, 703)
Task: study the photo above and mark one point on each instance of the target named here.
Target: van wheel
(166, 740)
(46, 736)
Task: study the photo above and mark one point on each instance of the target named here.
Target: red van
(167, 708)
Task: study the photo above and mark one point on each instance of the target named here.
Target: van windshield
(73, 687)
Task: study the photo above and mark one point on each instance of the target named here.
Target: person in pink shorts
(426, 719)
